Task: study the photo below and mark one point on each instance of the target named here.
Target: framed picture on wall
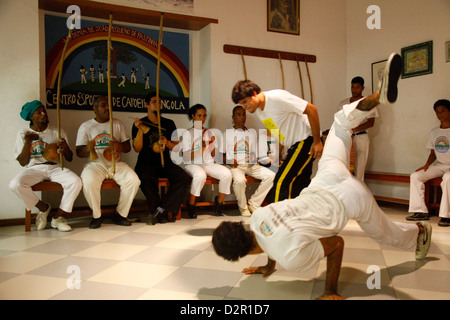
(283, 16)
(377, 73)
(417, 59)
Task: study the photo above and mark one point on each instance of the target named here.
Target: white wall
(400, 133)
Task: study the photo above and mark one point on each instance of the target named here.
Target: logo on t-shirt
(241, 146)
(441, 144)
(102, 140)
(265, 229)
(37, 148)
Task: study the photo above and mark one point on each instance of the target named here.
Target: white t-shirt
(192, 142)
(100, 133)
(438, 141)
(284, 111)
(48, 136)
(373, 114)
(289, 231)
(240, 144)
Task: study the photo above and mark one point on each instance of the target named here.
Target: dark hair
(149, 97)
(442, 102)
(193, 110)
(359, 80)
(231, 241)
(97, 100)
(237, 107)
(244, 89)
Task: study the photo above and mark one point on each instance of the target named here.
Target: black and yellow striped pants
(294, 174)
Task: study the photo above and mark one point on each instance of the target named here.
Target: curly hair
(244, 89)
(231, 241)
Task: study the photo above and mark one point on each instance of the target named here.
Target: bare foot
(326, 296)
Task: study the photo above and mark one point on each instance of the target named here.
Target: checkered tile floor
(175, 261)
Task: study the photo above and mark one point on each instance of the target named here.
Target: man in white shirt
(295, 123)
(297, 233)
(94, 141)
(31, 151)
(361, 139)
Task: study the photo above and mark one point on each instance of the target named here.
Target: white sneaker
(41, 219)
(251, 208)
(392, 72)
(245, 212)
(423, 241)
(61, 224)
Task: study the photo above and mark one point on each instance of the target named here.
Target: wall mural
(133, 66)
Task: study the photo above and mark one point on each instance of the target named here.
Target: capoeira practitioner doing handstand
(299, 232)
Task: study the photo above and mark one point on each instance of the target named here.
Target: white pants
(22, 183)
(333, 175)
(200, 172)
(240, 182)
(417, 189)
(93, 175)
(361, 144)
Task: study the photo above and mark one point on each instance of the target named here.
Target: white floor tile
(134, 274)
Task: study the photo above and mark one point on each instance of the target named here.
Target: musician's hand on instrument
(62, 143)
(91, 146)
(141, 126)
(137, 123)
(163, 142)
(115, 145)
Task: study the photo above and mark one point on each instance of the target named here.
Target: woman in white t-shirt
(199, 148)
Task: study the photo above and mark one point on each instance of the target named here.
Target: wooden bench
(54, 186)
(111, 184)
(388, 176)
(433, 191)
